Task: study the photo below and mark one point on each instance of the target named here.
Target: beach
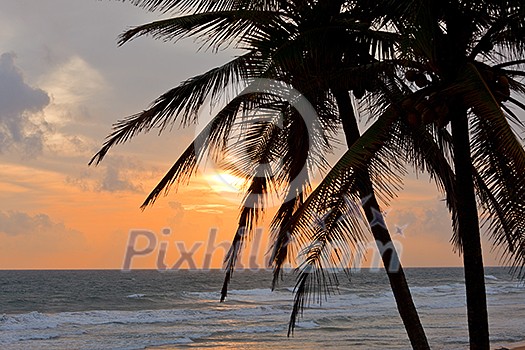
(148, 309)
(515, 346)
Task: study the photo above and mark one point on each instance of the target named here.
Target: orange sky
(57, 213)
(91, 229)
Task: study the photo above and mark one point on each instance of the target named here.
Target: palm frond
(500, 183)
(302, 150)
(205, 5)
(253, 207)
(510, 63)
(429, 155)
(511, 37)
(184, 5)
(500, 160)
(282, 249)
(182, 102)
(212, 140)
(274, 157)
(214, 29)
(253, 156)
(335, 201)
(478, 96)
(330, 242)
(492, 34)
(512, 116)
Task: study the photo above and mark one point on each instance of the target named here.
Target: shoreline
(512, 346)
(508, 346)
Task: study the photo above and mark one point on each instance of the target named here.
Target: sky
(63, 83)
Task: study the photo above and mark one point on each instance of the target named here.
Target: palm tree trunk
(468, 230)
(394, 270)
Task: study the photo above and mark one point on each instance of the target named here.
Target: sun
(225, 182)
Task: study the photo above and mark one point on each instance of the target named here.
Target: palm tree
(286, 41)
(457, 55)
(450, 40)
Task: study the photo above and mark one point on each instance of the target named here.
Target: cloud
(34, 119)
(116, 174)
(73, 85)
(177, 210)
(206, 208)
(422, 218)
(20, 126)
(16, 223)
(115, 179)
(70, 145)
(34, 238)
(16, 95)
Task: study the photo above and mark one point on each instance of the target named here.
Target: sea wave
(32, 320)
(38, 321)
(135, 296)
(307, 324)
(259, 329)
(197, 316)
(256, 295)
(256, 291)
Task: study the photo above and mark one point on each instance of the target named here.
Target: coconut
(428, 116)
(411, 75)
(407, 104)
(421, 80)
(421, 106)
(441, 110)
(503, 81)
(413, 119)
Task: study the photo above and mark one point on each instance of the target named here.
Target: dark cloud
(27, 237)
(116, 174)
(177, 213)
(18, 102)
(429, 218)
(15, 223)
(16, 97)
(116, 180)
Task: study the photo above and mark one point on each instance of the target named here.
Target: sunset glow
(225, 182)
(58, 213)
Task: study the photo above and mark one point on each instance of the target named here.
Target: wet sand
(513, 346)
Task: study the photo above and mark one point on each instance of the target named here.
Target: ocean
(148, 309)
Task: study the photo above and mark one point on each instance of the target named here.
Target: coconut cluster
(501, 88)
(426, 110)
(416, 77)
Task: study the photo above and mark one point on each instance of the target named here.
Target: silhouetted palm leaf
(204, 5)
(183, 102)
(215, 29)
